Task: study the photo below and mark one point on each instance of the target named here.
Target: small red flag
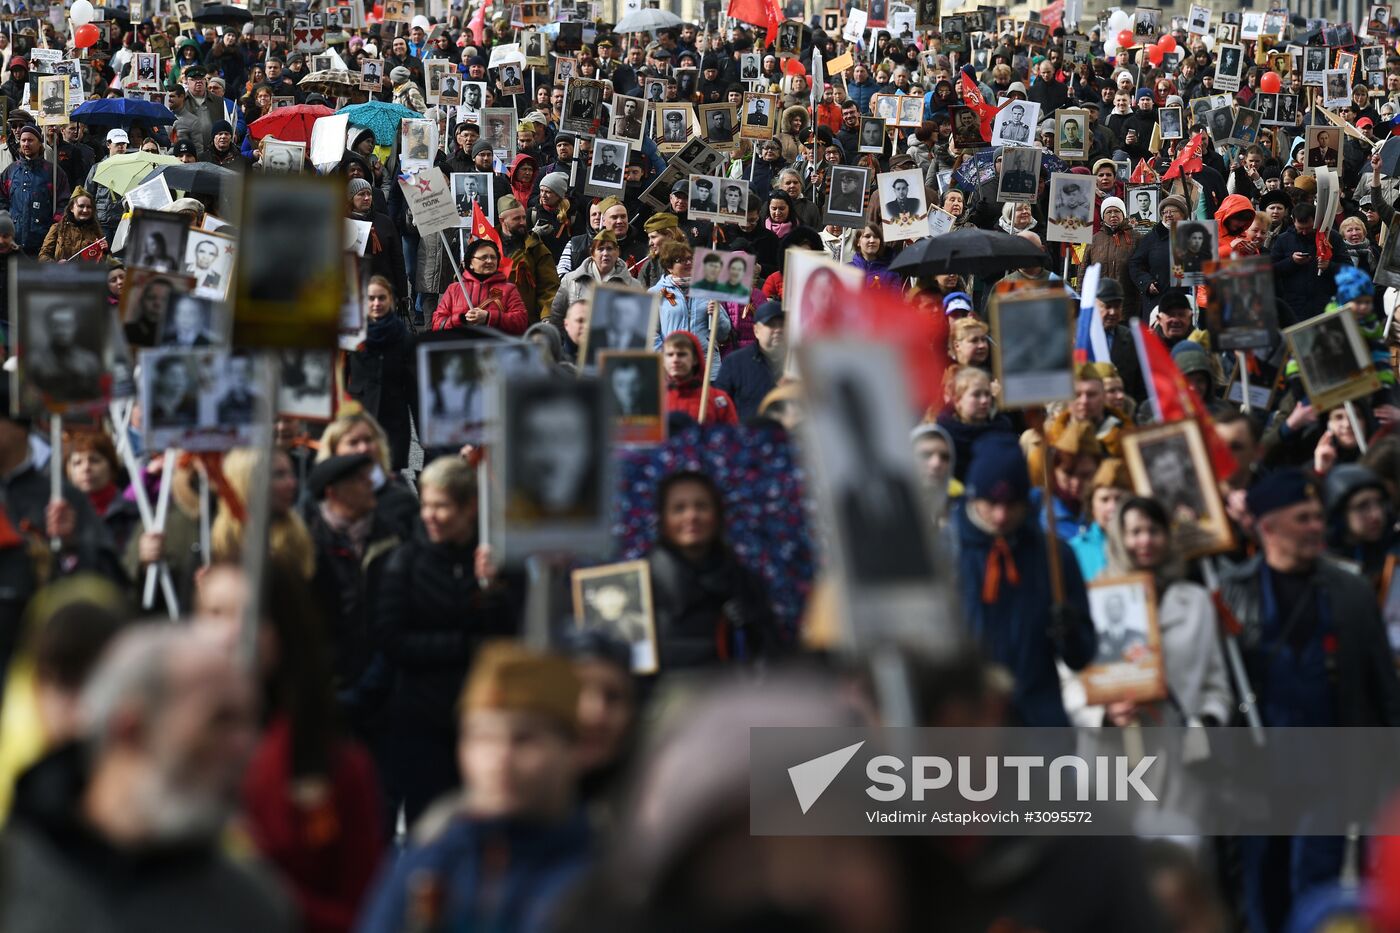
(1173, 399)
(1143, 174)
(482, 230)
(972, 97)
(1188, 159)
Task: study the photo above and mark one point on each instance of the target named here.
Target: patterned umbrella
(290, 124)
(333, 83)
(764, 504)
(381, 118)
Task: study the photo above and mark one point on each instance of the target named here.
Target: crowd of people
(428, 738)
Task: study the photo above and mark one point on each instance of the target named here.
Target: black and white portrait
(189, 322)
(1142, 206)
(620, 319)
(1314, 65)
(1020, 174)
(718, 123)
(498, 129)
(1246, 127)
(605, 170)
(450, 90)
(1337, 87)
(1333, 358)
(511, 80)
(281, 157)
(1170, 120)
(1071, 134)
(555, 455)
(616, 599)
(1268, 108)
(675, 123)
(1192, 246)
(954, 30)
(701, 158)
(903, 205)
(1071, 209)
(237, 400)
(1119, 608)
(635, 386)
(759, 116)
(967, 128)
(209, 257)
(583, 106)
(1034, 356)
(865, 478)
(1242, 312)
(1229, 66)
(628, 120)
(146, 301)
(470, 188)
(298, 226)
(655, 90)
(473, 97)
(1015, 123)
(417, 144)
(172, 384)
(704, 198)
(53, 100)
(65, 341)
(147, 68)
(307, 386)
(872, 135)
(157, 241)
(789, 39)
(372, 75)
(451, 394)
(845, 204)
(749, 63)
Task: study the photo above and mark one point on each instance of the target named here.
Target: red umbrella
(292, 124)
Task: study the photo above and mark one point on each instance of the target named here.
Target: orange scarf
(999, 561)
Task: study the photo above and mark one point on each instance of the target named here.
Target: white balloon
(1110, 46)
(80, 13)
(1119, 21)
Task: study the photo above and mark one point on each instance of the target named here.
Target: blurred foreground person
(499, 856)
(120, 830)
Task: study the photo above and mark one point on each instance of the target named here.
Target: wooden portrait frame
(639, 569)
(1209, 531)
(1138, 679)
(1327, 395)
(1049, 385)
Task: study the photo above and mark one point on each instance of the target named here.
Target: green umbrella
(120, 173)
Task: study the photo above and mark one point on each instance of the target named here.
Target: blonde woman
(287, 537)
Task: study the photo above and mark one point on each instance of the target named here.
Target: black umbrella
(221, 14)
(969, 251)
(197, 178)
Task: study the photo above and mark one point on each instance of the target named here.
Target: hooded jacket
(505, 310)
(578, 285)
(1232, 205)
(684, 396)
(28, 191)
(523, 189)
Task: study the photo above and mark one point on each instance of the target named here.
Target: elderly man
(1316, 653)
(120, 830)
(532, 265)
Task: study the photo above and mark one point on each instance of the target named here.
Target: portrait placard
(636, 384)
(1127, 667)
(903, 204)
(1071, 208)
(1169, 463)
(616, 599)
(1034, 338)
(1333, 360)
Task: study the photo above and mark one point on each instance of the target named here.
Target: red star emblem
(423, 185)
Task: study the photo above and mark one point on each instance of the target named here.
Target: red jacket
(685, 396)
(1232, 205)
(506, 309)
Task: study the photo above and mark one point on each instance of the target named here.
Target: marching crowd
(401, 756)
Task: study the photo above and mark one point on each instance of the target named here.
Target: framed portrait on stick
(1169, 463)
(1034, 336)
(616, 599)
(636, 385)
(66, 336)
(1242, 314)
(1128, 665)
(1333, 360)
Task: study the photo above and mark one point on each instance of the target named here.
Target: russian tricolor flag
(1090, 341)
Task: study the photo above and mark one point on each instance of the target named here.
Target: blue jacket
(681, 312)
(747, 376)
(1014, 630)
(27, 192)
(495, 875)
(861, 93)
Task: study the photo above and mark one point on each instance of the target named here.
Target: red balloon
(1167, 43)
(792, 66)
(1270, 82)
(85, 35)
(1154, 54)
(1126, 39)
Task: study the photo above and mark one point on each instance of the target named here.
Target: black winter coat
(429, 619)
(709, 612)
(1307, 292)
(383, 377)
(1151, 265)
(388, 260)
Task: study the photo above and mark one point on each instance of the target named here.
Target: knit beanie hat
(355, 186)
(1113, 202)
(557, 182)
(998, 469)
(399, 74)
(1353, 283)
(1176, 202)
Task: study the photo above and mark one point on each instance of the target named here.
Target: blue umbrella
(381, 118)
(118, 111)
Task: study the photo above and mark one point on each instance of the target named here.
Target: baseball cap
(118, 135)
